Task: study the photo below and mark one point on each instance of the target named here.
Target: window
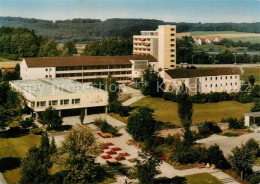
(226, 77)
(230, 84)
(172, 50)
(205, 78)
(226, 84)
(221, 78)
(172, 34)
(210, 78)
(221, 84)
(230, 77)
(172, 29)
(172, 55)
(76, 101)
(41, 104)
(172, 40)
(216, 85)
(236, 83)
(46, 69)
(235, 77)
(46, 76)
(210, 85)
(172, 65)
(64, 102)
(172, 60)
(50, 69)
(53, 102)
(216, 78)
(206, 85)
(172, 45)
(50, 76)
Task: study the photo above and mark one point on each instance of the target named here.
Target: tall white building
(160, 43)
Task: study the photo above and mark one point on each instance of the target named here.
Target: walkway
(135, 93)
(2, 179)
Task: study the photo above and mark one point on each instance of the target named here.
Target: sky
(166, 10)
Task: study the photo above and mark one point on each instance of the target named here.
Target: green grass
(255, 71)
(3, 59)
(203, 178)
(252, 39)
(201, 33)
(16, 147)
(257, 162)
(168, 111)
(217, 48)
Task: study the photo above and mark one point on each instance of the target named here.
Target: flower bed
(116, 149)
(106, 157)
(111, 152)
(120, 158)
(124, 154)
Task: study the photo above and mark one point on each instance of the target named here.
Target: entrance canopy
(252, 118)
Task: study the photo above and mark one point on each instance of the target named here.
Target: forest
(86, 30)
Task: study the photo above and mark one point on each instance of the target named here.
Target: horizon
(189, 11)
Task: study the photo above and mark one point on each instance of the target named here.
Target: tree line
(22, 42)
(84, 30)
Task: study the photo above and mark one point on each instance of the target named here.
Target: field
(168, 111)
(16, 147)
(217, 48)
(233, 35)
(3, 59)
(255, 71)
(203, 178)
(9, 64)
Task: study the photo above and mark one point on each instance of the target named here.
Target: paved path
(2, 179)
(135, 93)
(166, 169)
(228, 143)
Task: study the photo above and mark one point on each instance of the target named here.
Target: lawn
(168, 111)
(217, 48)
(252, 39)
(255, 71)
(9, 64)
(203, 178)
(16, 147)
(3, 59)
(205, 33)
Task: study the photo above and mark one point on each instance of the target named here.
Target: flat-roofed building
(203, 80)
(160, 43)
(69, 97)
(86, 68)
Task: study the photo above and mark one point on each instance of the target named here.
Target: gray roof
(254, 114)
(58, 86)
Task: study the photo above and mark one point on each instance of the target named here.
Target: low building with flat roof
(67, 96)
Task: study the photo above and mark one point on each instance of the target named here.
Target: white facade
(61, 94)
(205, 84)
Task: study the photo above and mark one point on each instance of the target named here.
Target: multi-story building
(203, 80)
(160, 43)
(86, 68)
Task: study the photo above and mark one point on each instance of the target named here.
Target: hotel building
(160, 43)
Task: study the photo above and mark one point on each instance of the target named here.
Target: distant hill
(85, 30)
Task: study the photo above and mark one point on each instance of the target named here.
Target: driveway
(228, 143)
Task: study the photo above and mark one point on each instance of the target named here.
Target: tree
(48, 49)
(141, 124)
(69, 49)
(251, 80)
(1, 74)
(147, 167)
(79, 150)
(215, 156)
(153, 84)
(33, 169)
(242, 160)
(99, 83)
(112, 86)
(17, 68)
(256, 107)
(82, 116)
(253, 146)
(53, 147)
(185, 111)
(51, 118)
(27, 123)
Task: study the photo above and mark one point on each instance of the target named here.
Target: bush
(215, 156)
(9, 163)
(168, 96)
(188, 155)
(208, 128)
(244, 98)
(124, 110)
(105, 127)
(36, 131)
(255, 178)
(174, 180)
(233, 123)
(252, 145)
(173, 140)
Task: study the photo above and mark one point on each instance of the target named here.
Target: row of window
(93, 74)
(216, 85)
(55, 102)
(92, 80)
(69, 68)
(216, 78)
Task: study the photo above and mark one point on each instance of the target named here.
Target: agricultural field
(3, 59)
(167, 111)
(252, 39)
(217, 48)
(255, 71)
(16, 147)
(9, 64)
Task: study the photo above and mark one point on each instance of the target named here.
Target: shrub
(244, 98)
(255, 178)
(188, 155)
(208, 128)
(105, 127)
(173, 140)
(124, 110)
(174, 180)
(36, 131)
(9, 163)
(215, 156)
(168, 96)
(252, 145)
(233, 123)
